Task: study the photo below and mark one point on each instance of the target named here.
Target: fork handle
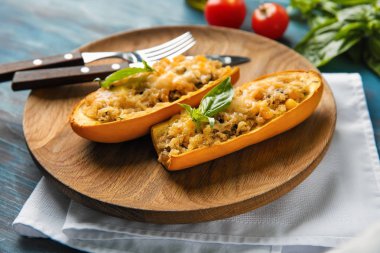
(45, 78)
(7, 70)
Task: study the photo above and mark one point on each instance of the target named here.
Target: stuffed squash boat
(132, 100)
(228, 120)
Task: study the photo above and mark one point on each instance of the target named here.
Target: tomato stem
(263, 10)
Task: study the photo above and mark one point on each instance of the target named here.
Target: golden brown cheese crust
(169, 81)
(254, 104)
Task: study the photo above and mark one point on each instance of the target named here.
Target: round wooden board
(125, 179)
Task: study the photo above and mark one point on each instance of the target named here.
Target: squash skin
(128, 129)
(274, 127)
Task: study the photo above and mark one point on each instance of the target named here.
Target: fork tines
(168, 49)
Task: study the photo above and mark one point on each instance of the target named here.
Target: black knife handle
(45, 78)
(7, 70)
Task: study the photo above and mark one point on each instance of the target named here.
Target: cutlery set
(70, 68)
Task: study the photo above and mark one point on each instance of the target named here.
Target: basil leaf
(211, 121)
(215, 101)
(349, 28)
(359, 13)
(305, 6)
(218, 99)
(355, 2)
(320, 21)
(313, 7)
(147, 67)
(329, 7)
(323, 44)
(197, 116)
(339, 26)
(338, 35)
(188, 108)
(123, 73)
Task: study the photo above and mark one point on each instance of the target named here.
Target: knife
(45, 78)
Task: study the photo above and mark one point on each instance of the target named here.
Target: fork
(170, 48)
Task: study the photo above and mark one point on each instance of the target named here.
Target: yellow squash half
(275, 126)
(134, 127)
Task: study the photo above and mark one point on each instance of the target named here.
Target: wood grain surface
(50, 27)
(125, 179)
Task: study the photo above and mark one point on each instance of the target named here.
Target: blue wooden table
(37, 28)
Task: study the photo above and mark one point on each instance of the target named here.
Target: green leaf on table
(320, 45)
(323, 7)
(305, 6)
(320, 21)
(339, 26)
(329, 7)
(336, 36)
(359, 13)
(123, 73)
(214, 102)
(354, 2)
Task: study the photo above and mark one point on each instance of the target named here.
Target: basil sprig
(121, 74)
(215, 101)
(339, 26)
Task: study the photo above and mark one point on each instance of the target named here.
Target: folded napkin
(335, 203)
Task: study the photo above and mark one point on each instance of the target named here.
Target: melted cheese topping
(254, 104)
(144, 91)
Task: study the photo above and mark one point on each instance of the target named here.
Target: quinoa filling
(253, 105)
(170, 80)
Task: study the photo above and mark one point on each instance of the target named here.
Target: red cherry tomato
(270, 20)
(229, 13)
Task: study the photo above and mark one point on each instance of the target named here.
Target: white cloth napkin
(335, 203)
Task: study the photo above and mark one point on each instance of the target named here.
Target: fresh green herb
(121, 74)
(198, 117)
(215, 101)
(339, 26)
